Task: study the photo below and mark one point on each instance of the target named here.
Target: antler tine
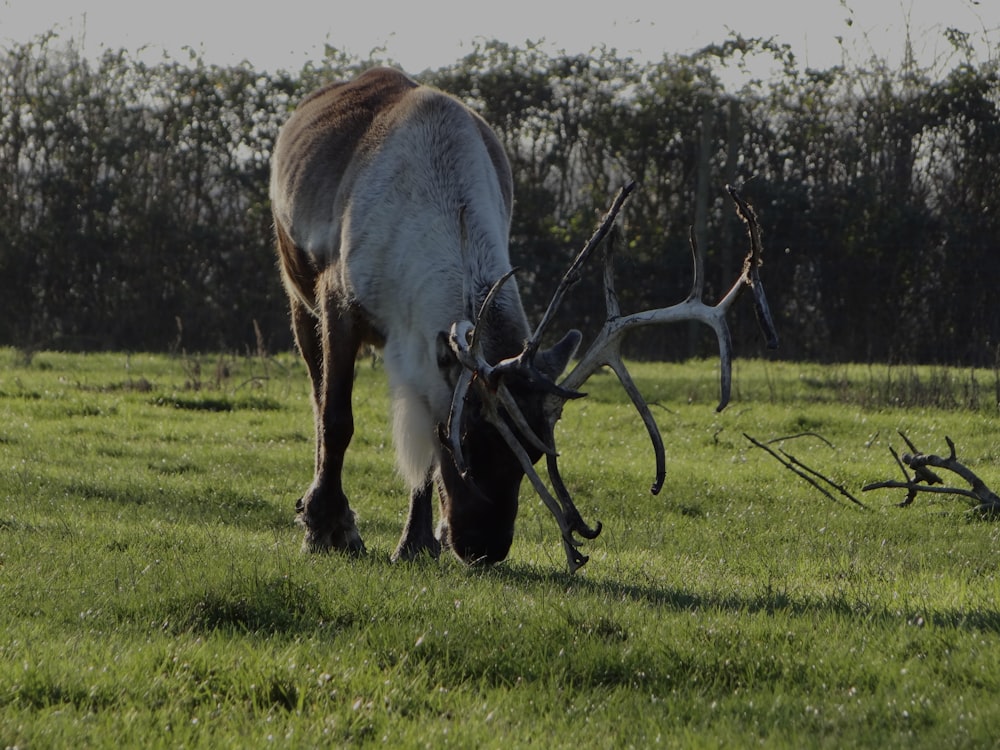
(725, 362)
(611, 304)
(572, 275)
(455, 420)
(460, 339)
(751, 268)
(698, 263)
(574, 520)
(520, 421)
(625, 378)
(719, 324)
(574, 558)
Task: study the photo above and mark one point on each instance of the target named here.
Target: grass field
(153, 592)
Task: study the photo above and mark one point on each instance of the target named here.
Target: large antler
(606, 347)
(923, 478)
(605, 350)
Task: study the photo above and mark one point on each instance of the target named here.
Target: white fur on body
(416, 220)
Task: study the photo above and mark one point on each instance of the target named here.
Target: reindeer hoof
(352, 544)
(342, 536)
(413, 549)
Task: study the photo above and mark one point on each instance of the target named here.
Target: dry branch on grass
(807, 473)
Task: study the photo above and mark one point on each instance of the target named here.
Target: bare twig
(807, 473)
(798, 435)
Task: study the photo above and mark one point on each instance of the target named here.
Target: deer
(392, 204)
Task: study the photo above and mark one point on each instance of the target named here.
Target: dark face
(479, 512)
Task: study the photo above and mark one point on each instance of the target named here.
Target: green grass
(153, 592)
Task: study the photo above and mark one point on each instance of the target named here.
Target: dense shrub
(134, 210)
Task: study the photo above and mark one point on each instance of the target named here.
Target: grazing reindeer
(392, 205)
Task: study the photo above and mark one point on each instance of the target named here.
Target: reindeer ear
(553, 361)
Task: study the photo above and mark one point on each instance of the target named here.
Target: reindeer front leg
(329, 353)
(418, 535)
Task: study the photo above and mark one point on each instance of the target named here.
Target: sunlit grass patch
(155, 593)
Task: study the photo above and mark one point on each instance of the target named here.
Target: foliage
(155, 594)
(134, 210)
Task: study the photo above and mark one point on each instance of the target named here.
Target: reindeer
(392, 205)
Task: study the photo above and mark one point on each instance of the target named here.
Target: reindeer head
(521, 401)
(480, 484)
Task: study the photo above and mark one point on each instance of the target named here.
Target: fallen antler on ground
(926, 480)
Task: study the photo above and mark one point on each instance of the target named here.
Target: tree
(134, 210)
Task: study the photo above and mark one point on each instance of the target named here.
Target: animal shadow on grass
(767, 599)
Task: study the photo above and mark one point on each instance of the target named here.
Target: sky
(285, 34)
